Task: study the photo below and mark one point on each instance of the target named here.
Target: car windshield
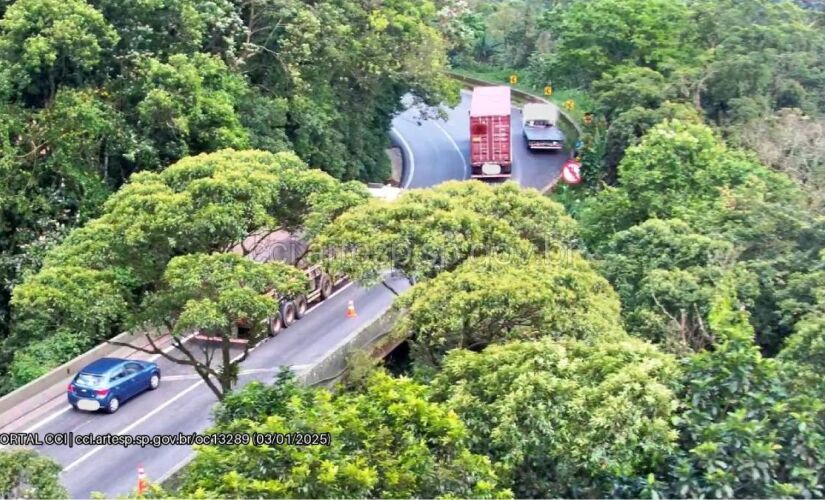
(89, 380)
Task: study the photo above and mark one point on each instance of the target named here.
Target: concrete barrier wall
(19, 403)
(325, 372)
(333, 365)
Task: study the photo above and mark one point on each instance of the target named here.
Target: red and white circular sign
(570, 172)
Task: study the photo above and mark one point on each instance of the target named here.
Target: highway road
(183, 403)
(437, 151)
(440, 149)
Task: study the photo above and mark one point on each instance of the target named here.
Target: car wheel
(300, 307)
(288, 313)
(154, 381)
(113, 405)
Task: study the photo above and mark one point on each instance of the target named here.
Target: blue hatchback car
(108, 382)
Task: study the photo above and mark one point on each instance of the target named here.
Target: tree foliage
(425, 232)
(387, 440)
(203, 204)
(566, 417)
(491, 300)
(26, 474)
(214, 295)
(744, 431)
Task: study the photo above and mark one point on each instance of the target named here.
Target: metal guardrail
(520, 95)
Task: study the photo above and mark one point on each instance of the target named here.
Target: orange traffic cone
(351, 310)
(141, 481)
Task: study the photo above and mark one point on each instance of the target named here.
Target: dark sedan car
(108, 382)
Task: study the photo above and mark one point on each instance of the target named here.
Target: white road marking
(48, 419)
(169, 402)
(410, 156)
(455, 146)
(68, 407)
(133, 425)
(175, 378)
(170, 347)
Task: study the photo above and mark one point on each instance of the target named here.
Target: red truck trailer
(490, 133)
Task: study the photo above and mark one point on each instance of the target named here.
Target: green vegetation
(489, 300)
(148, 260)
(26, 474)
(387, 441)
(657, 334)
(93, 91)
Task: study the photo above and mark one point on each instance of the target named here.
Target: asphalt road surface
(183, 403)
(440, 150)
(437, 151)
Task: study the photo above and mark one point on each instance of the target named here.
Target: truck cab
(539, 127)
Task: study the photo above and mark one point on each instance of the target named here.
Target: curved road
(437, 150)
(440, 149)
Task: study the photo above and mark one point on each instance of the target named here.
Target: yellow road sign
(513, 79)
(548, 90)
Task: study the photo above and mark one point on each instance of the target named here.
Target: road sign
(570, 172)
(548, 90)
(569, 105)
(588, 118)
(513, 79)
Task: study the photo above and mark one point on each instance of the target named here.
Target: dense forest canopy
(656, 331)
(92, 92)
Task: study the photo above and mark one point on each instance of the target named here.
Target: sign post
(513, 79)
(570, 171)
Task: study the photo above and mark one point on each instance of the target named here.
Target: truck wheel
(300, 307)
(326, 287)
(288, 313)
(275, 325)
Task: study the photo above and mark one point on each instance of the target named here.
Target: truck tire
(288, 313)
(326, 286)
(275, 325)
(300, 307)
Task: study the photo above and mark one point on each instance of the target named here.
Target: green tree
(743, 431)
(161, 28)
(26, 474)
(567, 418)
(594, 37)
(491, 300)
(666, 276)
(215, 294)
(387, 440)
(627, 88)
(204, 204)
(48, 43)
(185, 106)
(758, 56)
(676, 171)
(425, 232)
